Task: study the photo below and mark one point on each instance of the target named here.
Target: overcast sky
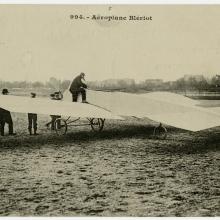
(38, 42)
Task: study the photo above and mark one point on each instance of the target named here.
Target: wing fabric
(53, 107)
(168, 108)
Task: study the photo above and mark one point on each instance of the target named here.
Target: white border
(83, 2)
(130, 2)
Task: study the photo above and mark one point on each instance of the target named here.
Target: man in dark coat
(32, 119)
(5, 117)
(78, 87)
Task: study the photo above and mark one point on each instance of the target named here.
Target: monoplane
(163, 107)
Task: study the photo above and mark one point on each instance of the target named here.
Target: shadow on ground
(177, 140)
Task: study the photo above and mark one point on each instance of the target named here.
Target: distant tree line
(52, 83)
(186, 83)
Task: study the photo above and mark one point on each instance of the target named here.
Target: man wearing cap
(78, 87)
(5, 117)
(32, 119)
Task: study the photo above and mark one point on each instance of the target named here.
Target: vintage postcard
(110, 110)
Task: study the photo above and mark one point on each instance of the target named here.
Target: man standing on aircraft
(32, 119)
(78, 87)
(5, 117)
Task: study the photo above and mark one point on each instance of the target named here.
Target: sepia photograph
(109, 110)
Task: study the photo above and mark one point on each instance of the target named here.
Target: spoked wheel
(60, 126)
(160, 132)
(97, 124)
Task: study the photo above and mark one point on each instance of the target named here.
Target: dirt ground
(122, 171)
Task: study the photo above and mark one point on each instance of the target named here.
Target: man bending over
(78, 87)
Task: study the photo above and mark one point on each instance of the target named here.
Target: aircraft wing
(168, 108)
(211, 105)
(53, 107)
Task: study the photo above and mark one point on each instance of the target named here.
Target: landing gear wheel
(160, 132)
(60, 126)
(97, 124)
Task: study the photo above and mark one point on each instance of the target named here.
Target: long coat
(77, 84)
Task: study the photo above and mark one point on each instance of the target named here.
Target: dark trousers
(76, 93)
(32, 121)
(53, 119)
(6, 118)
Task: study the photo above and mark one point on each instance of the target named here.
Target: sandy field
(121, 171)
